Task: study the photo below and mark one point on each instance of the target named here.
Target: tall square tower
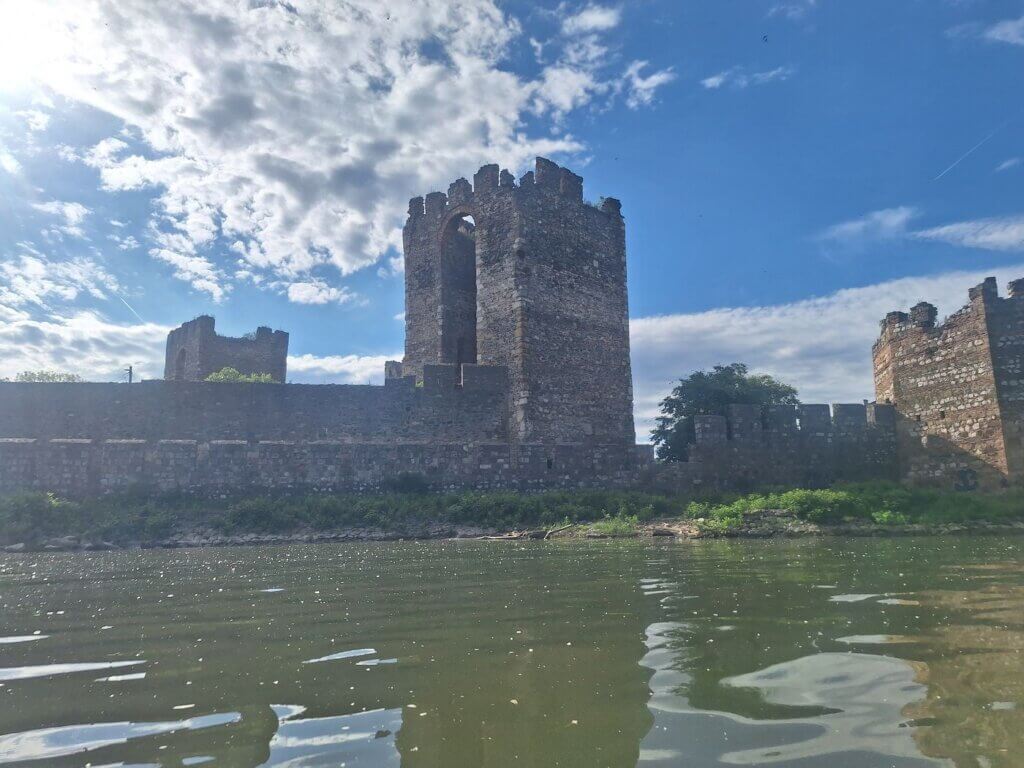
(531, 277)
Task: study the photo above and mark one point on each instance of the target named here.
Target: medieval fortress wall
(516, 375)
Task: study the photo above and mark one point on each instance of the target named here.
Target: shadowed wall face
(957, 389)
(195, 350)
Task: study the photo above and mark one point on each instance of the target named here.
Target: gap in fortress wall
(516, 375)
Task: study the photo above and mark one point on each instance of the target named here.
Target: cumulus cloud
(822, 345)
(592, 18)
(72, 216)
(738, 77)
(298, 131)
(8, 162)
(84, 343)
(877, 225)
(1005, 233)
(317, 292)
(339, 369)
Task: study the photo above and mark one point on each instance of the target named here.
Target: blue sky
(789, 171)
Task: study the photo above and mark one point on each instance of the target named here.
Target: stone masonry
(958, 389)
(516, 375)
(195, 350)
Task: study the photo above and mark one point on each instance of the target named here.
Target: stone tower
(958, 388)
(531, 277)
(195, 350)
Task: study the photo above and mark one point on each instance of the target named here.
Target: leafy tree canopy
(48, 376)
(711, 392)
(229, 374)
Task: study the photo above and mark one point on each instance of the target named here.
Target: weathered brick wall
(81, 468)
(807, 446)
(195, 350)
(168, 410)
(550, 298)
(957, 389)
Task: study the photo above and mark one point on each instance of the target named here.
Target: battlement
(547, 178)
(195, 350)
(751, 423)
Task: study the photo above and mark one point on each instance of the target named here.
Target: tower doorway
(458, 292)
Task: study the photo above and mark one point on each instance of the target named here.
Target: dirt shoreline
(764, 525)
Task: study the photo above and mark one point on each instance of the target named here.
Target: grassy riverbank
(37, 518)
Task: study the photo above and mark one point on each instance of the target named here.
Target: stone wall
(448, 407)
(549, 299)
(195, 350)
(958, 389)
(82, 467)
(808, 446)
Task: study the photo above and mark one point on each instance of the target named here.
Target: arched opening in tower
(458, 292)
(180, 360)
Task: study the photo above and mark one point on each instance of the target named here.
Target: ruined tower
(958, 388)
(529, 276)
(195, 350)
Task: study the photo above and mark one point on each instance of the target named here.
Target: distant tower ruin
(958, 388)
(195, 350)
(531, 277)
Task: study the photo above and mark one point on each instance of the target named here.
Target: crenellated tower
(528, 276)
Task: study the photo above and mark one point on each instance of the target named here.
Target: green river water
(840, 652)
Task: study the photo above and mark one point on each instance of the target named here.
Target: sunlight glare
(31, 44)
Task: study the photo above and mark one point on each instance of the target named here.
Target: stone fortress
(516, 375)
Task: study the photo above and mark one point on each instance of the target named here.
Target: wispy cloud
(821, 345)
(640, 89)
(72, 215)
(1005, 233)
(738, 77)
(793, 10)
(884, 224)
(31, 278)
(1008, 31)
(1006, 165)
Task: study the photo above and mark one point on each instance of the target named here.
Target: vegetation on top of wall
(228, 375)
(48, 377)
(712, 392)
(141, 517)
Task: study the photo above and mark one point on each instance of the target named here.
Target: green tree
(711, 392)
(228, 375)
(48, 377)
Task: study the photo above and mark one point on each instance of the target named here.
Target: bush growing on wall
(230, 375)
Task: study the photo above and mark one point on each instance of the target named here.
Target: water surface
(843, 653)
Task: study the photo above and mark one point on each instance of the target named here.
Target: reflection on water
(854, 654)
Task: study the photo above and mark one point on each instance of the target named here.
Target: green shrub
(229, 375)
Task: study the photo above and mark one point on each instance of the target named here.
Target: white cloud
(737, 77)
(31, 278)
(8, 162)
(84, 343)
(301, 130)
(1004, 233)
(794, 10)
(1008, 31)
(822, 345)
(35, 119)
(592, 18)
(640, 89)
(73, 215)
(877, 225)
(339, 369)
(317, 292)
(1007, 164)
